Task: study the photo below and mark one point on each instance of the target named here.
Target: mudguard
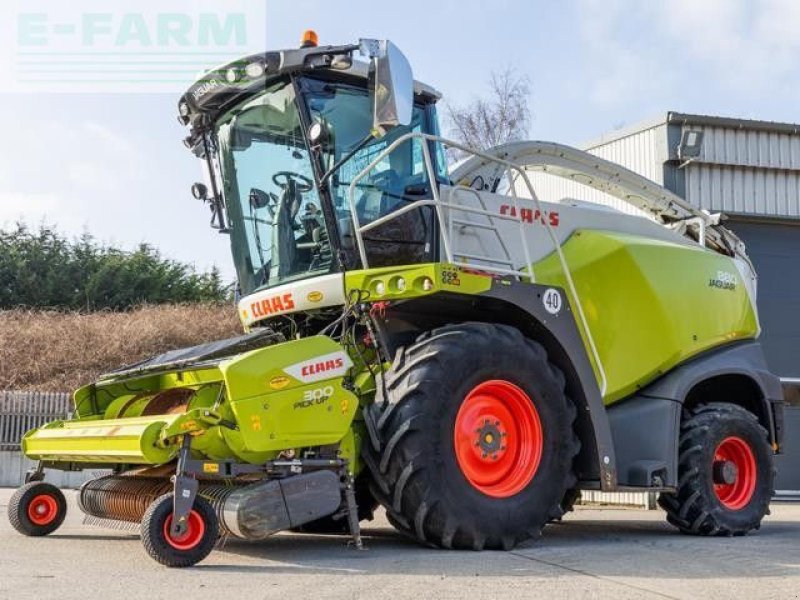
(646, 427)
(524, 306)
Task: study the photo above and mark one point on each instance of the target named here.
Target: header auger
(445, 345)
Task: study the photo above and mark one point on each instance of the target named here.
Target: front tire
(473, 448)
(37, 509)
(726, 473)
(184, 551)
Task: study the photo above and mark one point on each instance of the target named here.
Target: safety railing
(445, 224)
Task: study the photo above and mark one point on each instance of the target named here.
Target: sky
(113, 164)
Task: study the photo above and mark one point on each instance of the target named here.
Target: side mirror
(200, 191)
(391, 83)
(259, 198)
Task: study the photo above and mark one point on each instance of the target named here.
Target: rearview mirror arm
(217, 206)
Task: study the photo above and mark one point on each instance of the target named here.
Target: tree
(503, 116)
(44, 269)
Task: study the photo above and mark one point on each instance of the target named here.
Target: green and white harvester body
(439, 342)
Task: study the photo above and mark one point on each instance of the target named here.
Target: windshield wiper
(351, 153)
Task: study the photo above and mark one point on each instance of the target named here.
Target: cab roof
(227, 84)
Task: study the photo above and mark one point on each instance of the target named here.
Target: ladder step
(471, 224)
(484, 258)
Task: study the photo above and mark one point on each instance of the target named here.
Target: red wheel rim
(498, 439)
(42, 510)
(195, 530)
(736, 495)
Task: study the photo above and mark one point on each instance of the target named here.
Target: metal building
(749, 171)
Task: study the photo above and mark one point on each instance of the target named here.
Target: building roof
(678, 118)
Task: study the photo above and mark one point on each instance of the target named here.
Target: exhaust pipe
(251, 512)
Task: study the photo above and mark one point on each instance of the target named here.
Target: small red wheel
(37, 508)
(42, 510)
(498, 438)
(735, 466)
(187, 549)
(195, 530)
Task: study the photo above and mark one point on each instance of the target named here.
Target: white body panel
(500, 238)
(297, 296)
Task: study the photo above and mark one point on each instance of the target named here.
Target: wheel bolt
(725, 472)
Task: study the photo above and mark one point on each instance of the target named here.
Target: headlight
(254, 70)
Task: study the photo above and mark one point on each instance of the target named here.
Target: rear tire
(37, 509)
(726, 473)
(450, 474)
(195, 545)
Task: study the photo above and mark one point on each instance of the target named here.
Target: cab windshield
(400, 178)
(278, 232)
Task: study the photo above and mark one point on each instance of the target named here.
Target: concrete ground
(595, 553)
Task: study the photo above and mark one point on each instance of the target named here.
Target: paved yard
(595, 553)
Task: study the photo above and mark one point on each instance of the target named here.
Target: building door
(774, 248)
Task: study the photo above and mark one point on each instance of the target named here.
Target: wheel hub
(190, 537)
(490, 439)
(734, 473)
(42, 510)
(725, 472)
(498, 438)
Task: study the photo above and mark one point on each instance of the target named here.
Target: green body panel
(419, 280)
(651, 305)
(297, 415)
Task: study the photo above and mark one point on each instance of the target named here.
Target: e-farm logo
(132, 29)
(125, 46)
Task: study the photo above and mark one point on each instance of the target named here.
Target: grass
(52, 351)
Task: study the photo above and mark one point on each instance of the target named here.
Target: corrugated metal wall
(646, 500)
(22, 411)
(642, 151)
(746, 172)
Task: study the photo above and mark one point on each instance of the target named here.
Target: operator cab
(285, 134)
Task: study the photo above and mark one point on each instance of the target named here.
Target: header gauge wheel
(37, 509)
(188, 549)
(474, 446)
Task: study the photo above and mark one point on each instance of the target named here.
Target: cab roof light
(310, 39)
